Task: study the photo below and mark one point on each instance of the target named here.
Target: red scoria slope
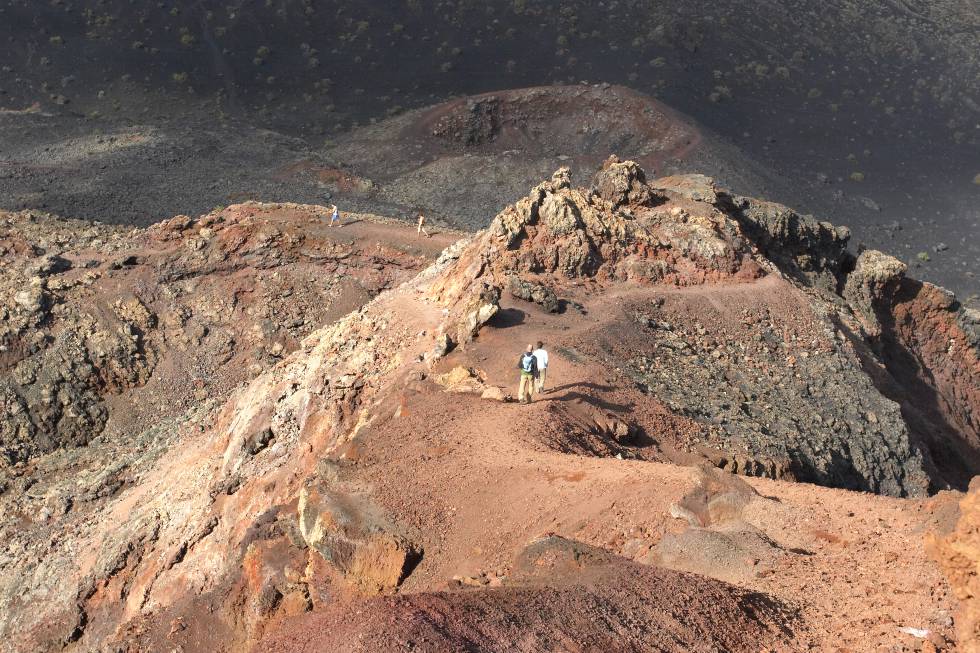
(690, 330)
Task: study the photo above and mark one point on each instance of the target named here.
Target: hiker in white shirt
(528, 365)
(542, 357)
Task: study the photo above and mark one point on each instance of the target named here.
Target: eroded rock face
(351, 534)
(214, 302)
(476, 123)
(93, 310)
(779, 387)
(812, 251)
(927, 359)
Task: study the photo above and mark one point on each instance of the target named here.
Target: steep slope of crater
(363, 463)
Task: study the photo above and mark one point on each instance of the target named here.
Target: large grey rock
(872, 273)
(352, 534)
(621, 182)
(534, 292)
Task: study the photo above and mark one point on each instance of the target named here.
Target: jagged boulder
(717, 497)
(350, 533)
(462, 379)
(621, 182)
(866, 285)
(735, 552)
(719, 542)
(477, 311)
(534, 292)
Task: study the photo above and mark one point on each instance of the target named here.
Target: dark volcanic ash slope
(503, 142)
(687, 324)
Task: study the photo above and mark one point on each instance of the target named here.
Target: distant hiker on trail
(528, 365)
(541, 356)
(421, 229)
(335, 216)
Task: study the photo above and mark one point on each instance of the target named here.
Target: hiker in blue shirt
(528, 365)
(335, 216)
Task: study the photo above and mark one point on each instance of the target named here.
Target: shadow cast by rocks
(506, 318)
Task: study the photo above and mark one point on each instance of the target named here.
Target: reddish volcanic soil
(372, 486)
(497, 477)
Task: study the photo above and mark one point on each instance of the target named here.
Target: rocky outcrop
(570, 233)
(958, 553)
(92, 311)
(352, 535)
(866, 285)
(538, 293)
(622, 183)
(809, 250)
(926, 358)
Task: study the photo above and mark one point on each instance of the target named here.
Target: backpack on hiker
(528, 364)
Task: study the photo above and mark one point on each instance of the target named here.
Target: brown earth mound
(561, 596)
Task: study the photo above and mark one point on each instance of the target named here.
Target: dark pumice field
(444, 325)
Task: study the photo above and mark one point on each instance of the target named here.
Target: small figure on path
(421, 228)
(335, 216)
(528, 365)
(542, 359)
